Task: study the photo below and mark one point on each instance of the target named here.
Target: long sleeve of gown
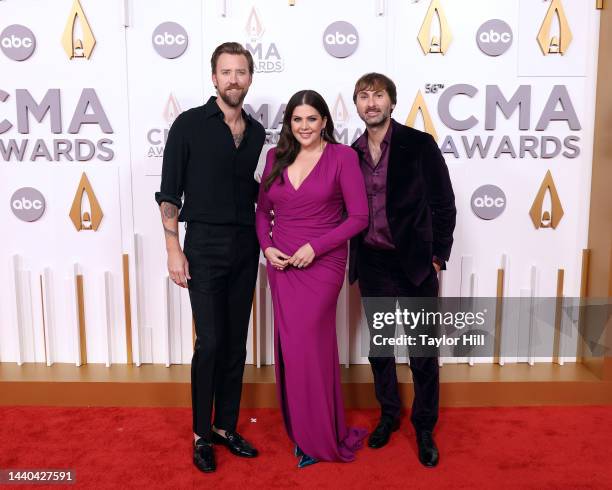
(263, 218)
(353, 189)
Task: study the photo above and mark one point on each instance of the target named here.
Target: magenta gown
(304, 300)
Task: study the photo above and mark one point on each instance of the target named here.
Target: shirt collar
(387, 138)
(213, 109)
(362, 141)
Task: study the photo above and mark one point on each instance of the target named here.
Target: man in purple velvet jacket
(407, 242)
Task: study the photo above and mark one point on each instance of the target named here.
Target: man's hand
(277, 258)
(303, 257)
(437, 267)
(178, 267)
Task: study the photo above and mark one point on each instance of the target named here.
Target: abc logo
(170, 40)
(488, 202)
(17, 42)
(28, 204)
(340, 39)
(167, 39)
(494, 37)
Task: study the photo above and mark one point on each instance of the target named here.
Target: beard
(376, 121)
(233, 99)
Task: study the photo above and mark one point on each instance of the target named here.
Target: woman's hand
(303, 257)
(277, 258)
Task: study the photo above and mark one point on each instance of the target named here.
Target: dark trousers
(223, 263)
(381, 276)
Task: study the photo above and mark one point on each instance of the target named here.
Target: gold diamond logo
(419, 105)
(550, 43)
(172, 110)
(435, 44)
(78, 47)
(544, 218)
(85, 213)
(254, 28)
(340, 113)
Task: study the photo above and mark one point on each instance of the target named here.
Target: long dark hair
(288, 147)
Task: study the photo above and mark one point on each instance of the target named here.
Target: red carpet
(540, 447)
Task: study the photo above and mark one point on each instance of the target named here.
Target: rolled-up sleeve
(176, 155)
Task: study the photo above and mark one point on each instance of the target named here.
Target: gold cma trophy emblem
(419, 105)
(74, 46)
(171, 110)
(435, 44)
(555, 44)
(85, 213)
(544, 218)
(254, 28)
(340, 113)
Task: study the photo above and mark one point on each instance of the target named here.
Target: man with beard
(208, 174)
(407, 242)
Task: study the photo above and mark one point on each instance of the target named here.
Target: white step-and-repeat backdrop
(89, 89)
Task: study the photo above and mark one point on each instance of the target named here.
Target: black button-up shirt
(202, 163)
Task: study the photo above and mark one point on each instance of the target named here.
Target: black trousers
(381, 276)
(223, 263)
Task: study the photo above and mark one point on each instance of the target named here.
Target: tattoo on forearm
(170, 232)
(169, 210)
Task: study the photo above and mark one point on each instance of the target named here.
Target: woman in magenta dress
(313, 190)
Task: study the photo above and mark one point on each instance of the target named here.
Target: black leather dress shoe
(236, 444)
(428, 451)
(382, 433)
(204, 456)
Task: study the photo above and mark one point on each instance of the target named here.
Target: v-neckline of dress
(309, 173)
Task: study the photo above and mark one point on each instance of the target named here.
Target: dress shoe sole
(241, 455)
(429, 465)
(207, 470)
